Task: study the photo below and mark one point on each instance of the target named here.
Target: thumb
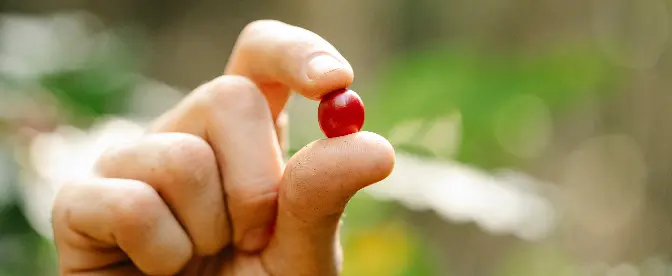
(318, 182)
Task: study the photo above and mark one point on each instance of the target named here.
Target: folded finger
(100, 223)
(232, 116)
(182, 168)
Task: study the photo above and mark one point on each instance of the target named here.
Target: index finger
(280, 58)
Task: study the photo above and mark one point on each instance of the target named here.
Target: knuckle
(255, 37)
(261, 25)
(189, 159)
(224, 87)
(136, 206)
(109, 160)
(229, 89)
(189, 149)
(234, 94)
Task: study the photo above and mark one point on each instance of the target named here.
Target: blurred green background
(532, 136)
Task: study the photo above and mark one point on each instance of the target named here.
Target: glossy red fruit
(340, 113)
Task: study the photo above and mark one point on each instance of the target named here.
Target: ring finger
(183, 170)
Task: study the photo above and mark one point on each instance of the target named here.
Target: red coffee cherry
(340, 113)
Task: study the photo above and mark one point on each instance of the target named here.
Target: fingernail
(322, 64)
(256, 238)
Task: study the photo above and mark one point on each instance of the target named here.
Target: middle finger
(232, 115)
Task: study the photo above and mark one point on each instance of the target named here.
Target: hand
(206, 191)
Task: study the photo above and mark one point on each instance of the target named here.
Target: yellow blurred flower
(383, 250)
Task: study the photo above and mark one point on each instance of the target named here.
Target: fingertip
(381, 156)
(368, 152)
(328, 172)
(326, 73)
(271, 52)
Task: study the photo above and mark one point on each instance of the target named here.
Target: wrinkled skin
(206, 191)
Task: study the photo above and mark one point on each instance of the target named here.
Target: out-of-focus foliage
(474, 97)
(546, 260)
(377, 242)
(99, 85)
(489, 90)
(103, 83)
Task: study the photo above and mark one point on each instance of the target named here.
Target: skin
(206, 191)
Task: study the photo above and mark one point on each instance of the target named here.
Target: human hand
(206, 191)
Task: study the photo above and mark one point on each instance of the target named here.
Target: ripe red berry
(340, 113)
